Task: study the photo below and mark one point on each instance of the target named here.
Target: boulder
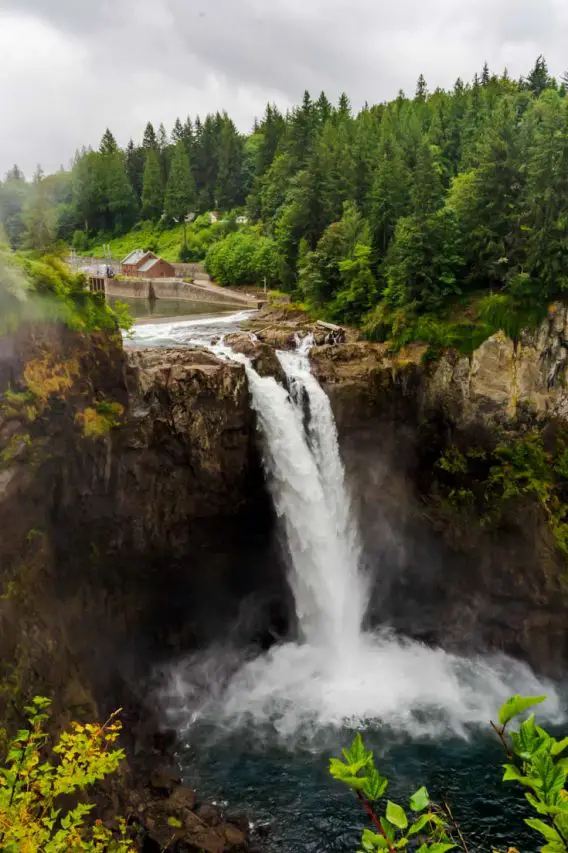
(262, 356)
(164, 781)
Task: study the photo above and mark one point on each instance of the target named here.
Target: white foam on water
(337, 674)
(176, 333)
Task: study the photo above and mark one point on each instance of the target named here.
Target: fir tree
(324, 108)
(121, 202)
(38, 216)
(344, 107)
(427, 191)
(180, 192)
(177, 132)
(421, 89)
(163, 140)
(135, 159)
(230, 185)
(108, 143)
(538, 80)
(153, 187)
(187, 137)
(485, 76)
(150, 140)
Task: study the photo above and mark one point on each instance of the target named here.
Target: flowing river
(259, 730)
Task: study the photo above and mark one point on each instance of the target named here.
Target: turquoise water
(289, 796)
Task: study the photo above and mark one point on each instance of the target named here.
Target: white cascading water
(336, 673)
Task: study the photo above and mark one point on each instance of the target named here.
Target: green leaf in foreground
(420, 800)
(396, 815)
(375, 785)
(373, 841)
(516, 705)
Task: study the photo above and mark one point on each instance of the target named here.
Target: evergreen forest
(437, 216)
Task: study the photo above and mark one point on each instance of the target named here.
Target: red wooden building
(156, 268)
(132, 262)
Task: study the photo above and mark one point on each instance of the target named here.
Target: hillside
(437, 217)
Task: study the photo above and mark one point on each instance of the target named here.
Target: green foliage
(153, 187)
(424, 263)
(180, 192)
(494, 482)
(535, 760)
(422, 826)
(515, 705)
(36, 812)
(45, 288)
(244, 257)
(97, 421)
(459, 197)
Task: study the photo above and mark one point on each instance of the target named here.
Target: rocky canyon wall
(440, 573)
(136, 525)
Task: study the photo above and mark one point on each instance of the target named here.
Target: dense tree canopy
(410, 205)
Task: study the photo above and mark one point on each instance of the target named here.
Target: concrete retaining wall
(139, 288)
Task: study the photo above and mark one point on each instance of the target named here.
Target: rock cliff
(442, 572)
(135, 520)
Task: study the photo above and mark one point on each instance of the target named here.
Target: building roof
(135, 257)
(147, 265)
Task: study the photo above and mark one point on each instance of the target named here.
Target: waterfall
(329, 590)
(336, 673)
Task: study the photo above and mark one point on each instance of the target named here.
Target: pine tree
(38, 216)
(421, 89)
(134, 162)
(88, 191)
(538, 80)
(163, 140)
(187, 137)
(487, 200)
(15, 174)
(390, 196)
(108, 143)
(427, 191)
(485, 76)
(230, 184)
(424, 264)
(343, 107)
(181, 195)
(121, 205)
(544, 206)
(177, 132)
(153, 187)
(302, 127)
(150, 140)
(324, 108)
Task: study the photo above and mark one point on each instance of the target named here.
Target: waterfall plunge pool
(298, 808)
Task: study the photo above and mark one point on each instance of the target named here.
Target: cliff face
(441, 575)
(136, 524)
(135, 521)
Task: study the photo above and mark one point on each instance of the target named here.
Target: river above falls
(190, 329)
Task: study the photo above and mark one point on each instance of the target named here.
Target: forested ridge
(438, 216)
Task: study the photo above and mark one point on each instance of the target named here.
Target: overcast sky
(70, 68)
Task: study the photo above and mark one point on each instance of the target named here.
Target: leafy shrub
(503, 312)
(244, 257)
(533, 760)
(37, 813)
(517, 467)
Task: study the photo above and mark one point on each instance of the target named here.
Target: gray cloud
(69, 68)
